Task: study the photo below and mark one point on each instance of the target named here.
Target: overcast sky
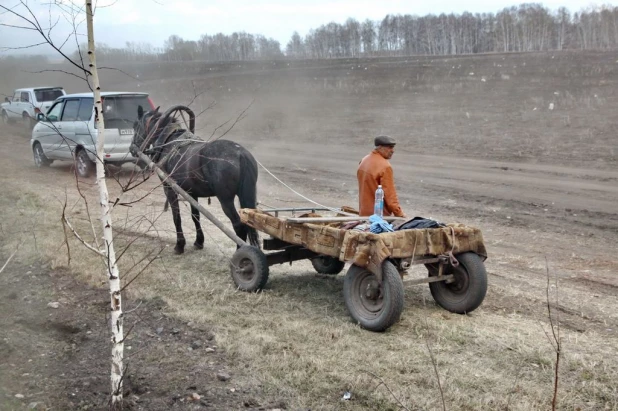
(153, 21)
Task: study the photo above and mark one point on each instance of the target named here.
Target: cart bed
(365, 249)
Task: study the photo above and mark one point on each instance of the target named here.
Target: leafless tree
(28, 20)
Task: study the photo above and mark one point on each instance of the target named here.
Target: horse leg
(230, 211)
(172, 199)
(199, 234)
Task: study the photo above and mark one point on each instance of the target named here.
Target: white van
(68, 130)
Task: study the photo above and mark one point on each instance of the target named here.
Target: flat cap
(384, 141)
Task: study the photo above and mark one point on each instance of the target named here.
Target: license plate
(128, 131)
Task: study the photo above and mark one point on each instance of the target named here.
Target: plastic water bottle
(378, 207)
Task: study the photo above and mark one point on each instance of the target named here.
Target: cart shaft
(169, 181)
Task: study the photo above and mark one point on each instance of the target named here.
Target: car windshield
(48, 94)
(121, 111)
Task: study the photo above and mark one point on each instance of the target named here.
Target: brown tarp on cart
(366, 249)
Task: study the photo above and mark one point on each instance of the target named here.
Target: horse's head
(145, 128)
(150, 126)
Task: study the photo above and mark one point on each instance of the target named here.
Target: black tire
(325, 264)
(40, 160)
(374, 306)
(112, 169)
(141, 164)
(468, 291)
(5, 118)
(28, 123)
(249, 268)
(84, 167)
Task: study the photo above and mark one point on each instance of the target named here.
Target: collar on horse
(165, 138)
(154, 149)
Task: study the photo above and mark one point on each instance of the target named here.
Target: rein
(148, 136)
(162, 140)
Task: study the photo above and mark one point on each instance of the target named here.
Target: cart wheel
(375, 306)
(468, 290)
(325, 264)
(249, 268)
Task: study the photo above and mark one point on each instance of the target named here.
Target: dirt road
(555, 198)
(541, 217)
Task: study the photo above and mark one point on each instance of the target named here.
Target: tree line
(527, 27)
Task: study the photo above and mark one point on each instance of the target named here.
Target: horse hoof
(179, 250)
(198, 246)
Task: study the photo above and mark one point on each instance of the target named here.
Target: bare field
(522, 146)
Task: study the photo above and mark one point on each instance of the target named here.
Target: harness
(165, 137)
(184, 139)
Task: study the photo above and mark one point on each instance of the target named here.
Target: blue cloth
(378, 225)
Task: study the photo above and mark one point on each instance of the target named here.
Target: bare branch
(388, 389)
(143, 269)
(8, 260)
(64, 228)
(433, 362)
(18, 27)
(56, 70)
(34, 23)
(108, 5)
(23, 47)
(88, 246)
(117, 69)
(195, 93)
(240, 117)
(555, 329)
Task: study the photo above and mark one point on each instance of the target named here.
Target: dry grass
(298, 341)
(296, 338)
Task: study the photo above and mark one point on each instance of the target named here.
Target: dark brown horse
(221, 168)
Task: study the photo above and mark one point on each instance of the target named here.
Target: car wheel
(40, 160)
(28, 123)
(83, 165)
(5, 118)
(113, 169)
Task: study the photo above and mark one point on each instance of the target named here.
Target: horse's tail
(247, 190)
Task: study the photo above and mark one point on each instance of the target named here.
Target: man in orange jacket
(373, 170)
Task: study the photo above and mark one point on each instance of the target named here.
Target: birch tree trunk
(106, 221)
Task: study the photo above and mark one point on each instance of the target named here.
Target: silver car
(68, 130)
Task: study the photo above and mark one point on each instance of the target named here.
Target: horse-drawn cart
(373, 287)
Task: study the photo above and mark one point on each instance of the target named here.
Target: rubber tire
(28, 124)
(326, 264)
(468, 291)
(356, 279)
(253, 260)
(5, 118)
(112, 169)
(40, 160)
(84, 167)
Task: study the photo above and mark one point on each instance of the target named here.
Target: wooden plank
(334, 219)
(311, 209)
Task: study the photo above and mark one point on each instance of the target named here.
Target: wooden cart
(374, 284)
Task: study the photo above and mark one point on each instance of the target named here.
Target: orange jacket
(375, 170)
